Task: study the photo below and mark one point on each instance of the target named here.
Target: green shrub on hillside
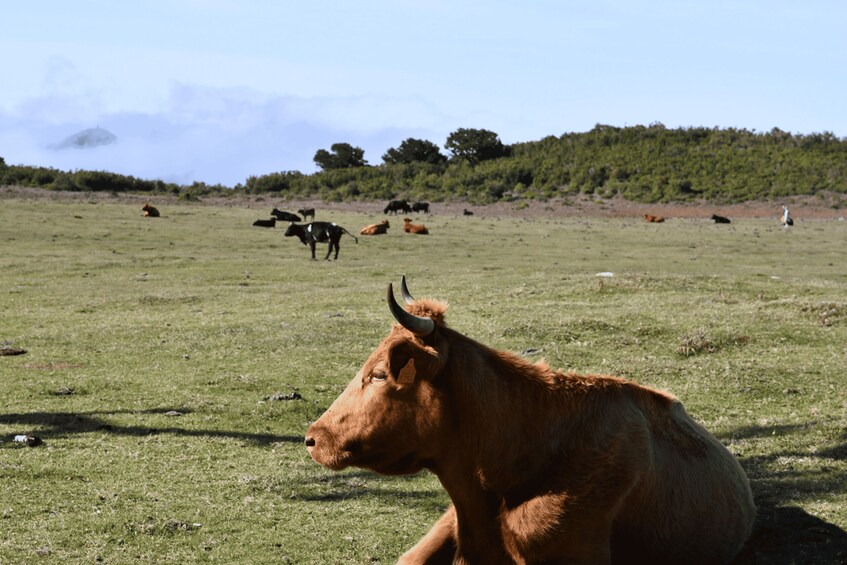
(641, 163)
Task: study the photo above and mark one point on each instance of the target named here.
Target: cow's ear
(412, 363)
(408, 372)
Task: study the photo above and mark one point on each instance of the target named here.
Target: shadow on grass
(784, 533)
(62, 424)
(353, 484)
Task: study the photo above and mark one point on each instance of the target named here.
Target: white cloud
(213, 135)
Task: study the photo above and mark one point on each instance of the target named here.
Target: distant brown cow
(375, 229)
(541, 466)
(409, 227)
(149, 211)
(654, 219)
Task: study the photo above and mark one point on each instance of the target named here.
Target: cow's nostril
(310, 442)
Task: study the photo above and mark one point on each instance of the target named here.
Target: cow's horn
(404, 290)
(418, 325)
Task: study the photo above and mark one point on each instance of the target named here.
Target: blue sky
(219, 90)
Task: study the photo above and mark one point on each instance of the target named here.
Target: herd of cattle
(312, 233)
(327, 232)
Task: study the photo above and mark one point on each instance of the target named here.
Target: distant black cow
(306, 212)
(285, 216)
(265, 223)
(398, 206)
(467, 212)
(319, 232)
(421, 207)
(720, 219)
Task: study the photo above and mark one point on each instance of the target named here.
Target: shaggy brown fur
(541, 466)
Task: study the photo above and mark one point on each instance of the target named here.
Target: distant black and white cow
(421, 207)
(285, 216)
(398, 206)
(720, 219)
(306, 212)
(265, 223)
(319, 232)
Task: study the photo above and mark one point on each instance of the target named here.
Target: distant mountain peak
(88, 138)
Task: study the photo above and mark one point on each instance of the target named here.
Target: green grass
(201, 313)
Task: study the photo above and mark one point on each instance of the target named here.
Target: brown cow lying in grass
(541, 466)
(409, 227)
(149, 211)
(654, 219)
(375, 229)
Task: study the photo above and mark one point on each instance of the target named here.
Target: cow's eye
(379, 377)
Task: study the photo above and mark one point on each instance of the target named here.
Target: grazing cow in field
(720, 219)
(398, 206)
(653, 219)
(306, 212)
(421, 207)
(467, 212)
(265, 223)
(409, 227)
(541, 465)
(375, 229)
(149, 211)
(319, 232)
(284, 216)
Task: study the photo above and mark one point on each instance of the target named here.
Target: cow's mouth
(353, 454)
(331, 458)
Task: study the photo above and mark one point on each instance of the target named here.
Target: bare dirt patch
(824, 206)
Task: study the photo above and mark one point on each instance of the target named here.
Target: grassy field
(163, 358)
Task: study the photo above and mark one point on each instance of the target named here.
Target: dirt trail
(821, 207)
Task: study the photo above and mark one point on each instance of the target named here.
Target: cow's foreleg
(437, 546)
(313, 244)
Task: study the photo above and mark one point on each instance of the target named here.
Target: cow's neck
(503, 415)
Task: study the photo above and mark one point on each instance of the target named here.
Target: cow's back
(320, 231)
(696, 497)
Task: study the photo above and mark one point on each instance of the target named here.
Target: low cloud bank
(216, 136)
